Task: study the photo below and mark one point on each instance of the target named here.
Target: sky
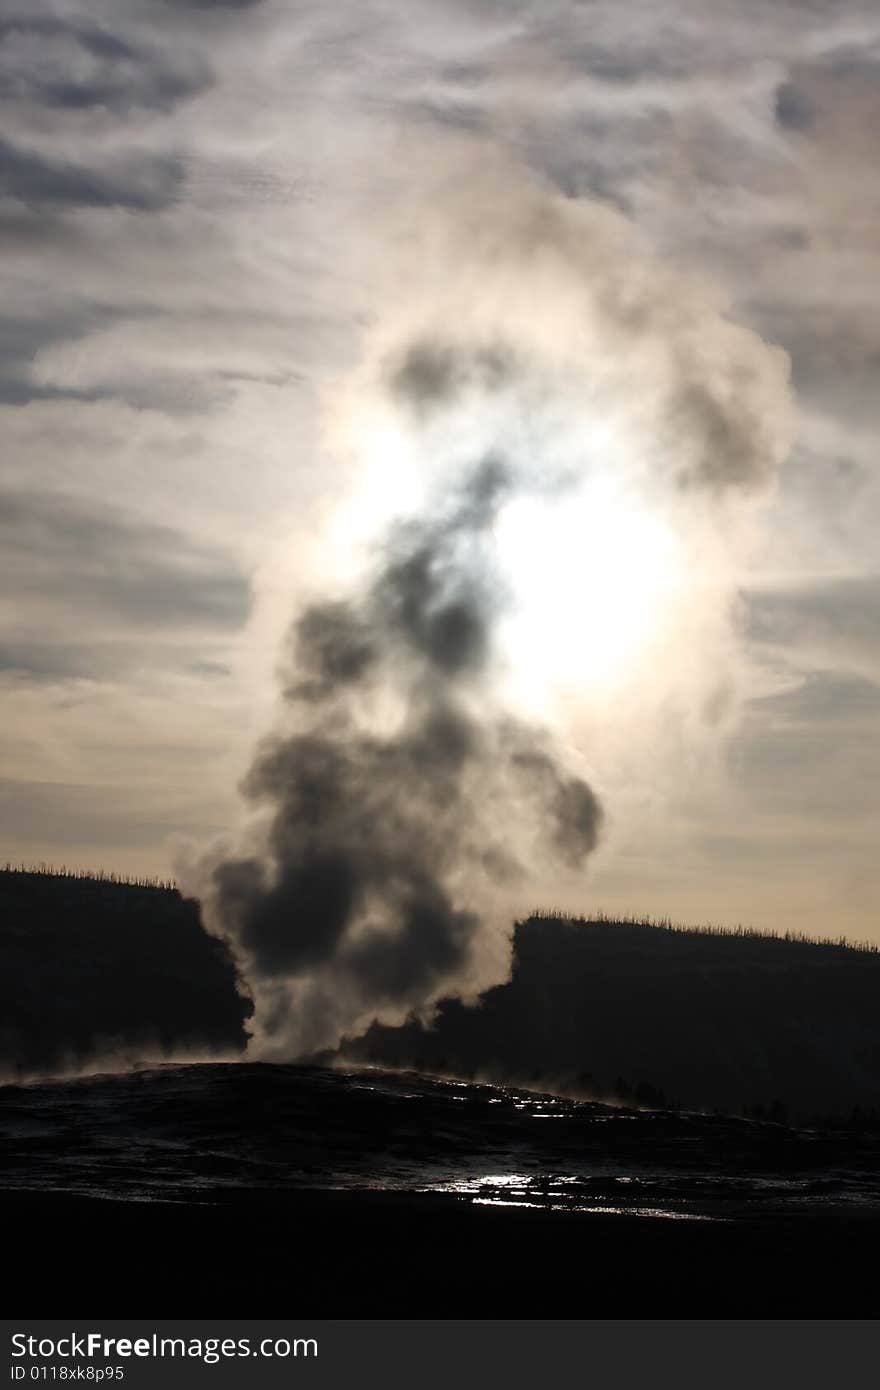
(208, 215)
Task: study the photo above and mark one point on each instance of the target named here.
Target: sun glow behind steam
(593, 580)
(590, 575)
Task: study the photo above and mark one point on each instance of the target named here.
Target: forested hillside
(737, 1021)
(92, 966)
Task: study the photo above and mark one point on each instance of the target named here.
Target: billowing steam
(554, 440)
(390, 802)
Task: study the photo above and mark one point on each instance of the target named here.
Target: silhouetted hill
(778, 1028)
(737, 1022)
(92, 965)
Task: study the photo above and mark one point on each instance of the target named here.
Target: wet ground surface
(186, 1133)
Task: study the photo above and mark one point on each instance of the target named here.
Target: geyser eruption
(389, 841)
(557, 443)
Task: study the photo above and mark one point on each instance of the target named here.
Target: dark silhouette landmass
(95, 967)
(780, 1028)
(786, 1029)
(370, 1194)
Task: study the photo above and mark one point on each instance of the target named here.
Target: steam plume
(530, 366)
(384, 848)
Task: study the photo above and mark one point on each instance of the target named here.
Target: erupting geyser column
(552, 436)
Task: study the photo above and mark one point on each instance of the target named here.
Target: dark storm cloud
(143, 183)
(89, 561)
(75, 65)
(368, 832)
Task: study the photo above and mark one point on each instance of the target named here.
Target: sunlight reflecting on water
(560, 1192)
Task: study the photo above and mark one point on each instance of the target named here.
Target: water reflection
(563, 1192)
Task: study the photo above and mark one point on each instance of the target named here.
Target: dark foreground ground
(242, 1190)
(351, 1255)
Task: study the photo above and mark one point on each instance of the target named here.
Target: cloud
(827, 625)
(810, 753)
(61, 813)
(76, 66)
(23, 337)
(141, 183)
(96, 561)
(827, 697)
(52, 661)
